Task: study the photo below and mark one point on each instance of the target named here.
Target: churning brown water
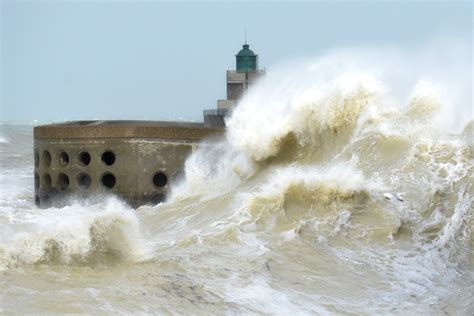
(325, 197)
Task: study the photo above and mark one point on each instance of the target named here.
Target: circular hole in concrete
(37, 200)
(84, 158)
(160, 179)
(63, 181)
(37, 181)
(47, 158)
(84, 180)
(63, 158)
(108, 180)
(158, 198)
(37, 158)
(108, 157)
(46, 181)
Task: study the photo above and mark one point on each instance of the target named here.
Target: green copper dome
(245, 51)
(246, 59)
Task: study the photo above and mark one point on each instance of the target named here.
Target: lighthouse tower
(246, 73)
(242, 78)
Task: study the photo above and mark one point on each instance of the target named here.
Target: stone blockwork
(136, 160)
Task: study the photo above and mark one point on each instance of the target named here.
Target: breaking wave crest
(320, 159)
(74, 235)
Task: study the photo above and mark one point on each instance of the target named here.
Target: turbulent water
(326, 196)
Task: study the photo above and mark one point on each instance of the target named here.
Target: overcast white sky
(63, 60)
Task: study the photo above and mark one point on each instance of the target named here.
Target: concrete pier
(136, 160)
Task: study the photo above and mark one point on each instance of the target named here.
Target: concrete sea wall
(136, 160)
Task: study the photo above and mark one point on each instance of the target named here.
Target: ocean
(327, 195)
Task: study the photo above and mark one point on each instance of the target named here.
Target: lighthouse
(238, 81)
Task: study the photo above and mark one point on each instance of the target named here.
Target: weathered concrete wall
(235, 90)
(238, 82)
(215, 118)
(234, 76)
(125, 129)
(225, 104)
(138, 161)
